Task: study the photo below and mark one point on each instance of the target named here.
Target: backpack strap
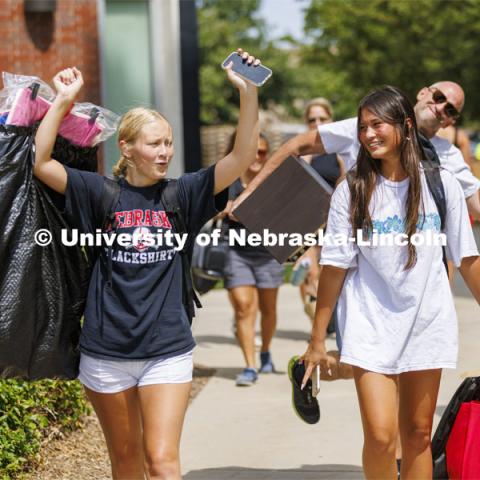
(106, 220)
(106, 211)
(175, 215)
(431, 168)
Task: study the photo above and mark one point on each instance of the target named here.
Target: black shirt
(327, 166)
(141, 316)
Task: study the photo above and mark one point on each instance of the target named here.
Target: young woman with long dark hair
(396, 314)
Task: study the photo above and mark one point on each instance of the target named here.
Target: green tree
(223, 26)
(410, 44)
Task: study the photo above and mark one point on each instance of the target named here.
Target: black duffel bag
(42, 288)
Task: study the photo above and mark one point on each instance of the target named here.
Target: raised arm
(243, 154)
(68, 83)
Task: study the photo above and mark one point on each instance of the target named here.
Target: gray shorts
(252, 268)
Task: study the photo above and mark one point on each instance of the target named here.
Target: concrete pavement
(252, 433)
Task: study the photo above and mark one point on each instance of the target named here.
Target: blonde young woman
(136, 344)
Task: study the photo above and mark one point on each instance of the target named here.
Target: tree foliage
(349, 47)
(224, 26)
(409, 44)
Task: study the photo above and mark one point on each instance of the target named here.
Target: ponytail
(120, 168)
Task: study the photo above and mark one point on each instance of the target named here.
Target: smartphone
(316, 381)
(257, 75)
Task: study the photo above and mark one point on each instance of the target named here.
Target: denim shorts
(113, 376)
(258, 269)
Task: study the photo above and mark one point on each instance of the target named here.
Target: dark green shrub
(28, 412)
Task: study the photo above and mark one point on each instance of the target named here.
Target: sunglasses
(439, 97)
(320, 119)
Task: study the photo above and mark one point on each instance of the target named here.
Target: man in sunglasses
(437, 106)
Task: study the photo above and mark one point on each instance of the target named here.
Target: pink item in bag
(80, 129)
(25, 111)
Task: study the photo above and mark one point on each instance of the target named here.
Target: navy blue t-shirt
(141, 316)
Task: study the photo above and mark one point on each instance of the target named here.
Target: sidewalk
(251, 433)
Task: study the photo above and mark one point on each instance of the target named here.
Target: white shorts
(113, 376)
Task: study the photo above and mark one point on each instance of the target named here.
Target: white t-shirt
(393, 320)
(341, 138)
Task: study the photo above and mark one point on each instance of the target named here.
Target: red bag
(463, 445)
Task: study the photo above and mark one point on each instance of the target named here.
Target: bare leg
(267, 299)
(451, 272)
(418, 399)
(163, 410)
(398, 445)
(309, 287)
(119, 416)
(245, 303)
(377, 396)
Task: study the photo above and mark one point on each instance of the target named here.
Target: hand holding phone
(316, 381)
(255, 74)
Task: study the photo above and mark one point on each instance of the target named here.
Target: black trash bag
(42, 289)
(82, 158)
(468, 391)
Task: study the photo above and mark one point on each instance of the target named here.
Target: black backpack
(431, 167)
(106, 219)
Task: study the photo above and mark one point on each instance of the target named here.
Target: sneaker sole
(291, 364)
(244, 384)
(267, 370)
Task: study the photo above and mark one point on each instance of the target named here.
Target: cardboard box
(293, 199)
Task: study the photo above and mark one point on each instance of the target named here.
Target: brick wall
(41, 44)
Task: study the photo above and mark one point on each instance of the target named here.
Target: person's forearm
(463, 143)
(473, 205)
(330, 285)
(470, 271)
(230, 168)
(48, 128)
(303, 144)
(245, 147)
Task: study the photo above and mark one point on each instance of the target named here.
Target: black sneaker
(304, 403)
